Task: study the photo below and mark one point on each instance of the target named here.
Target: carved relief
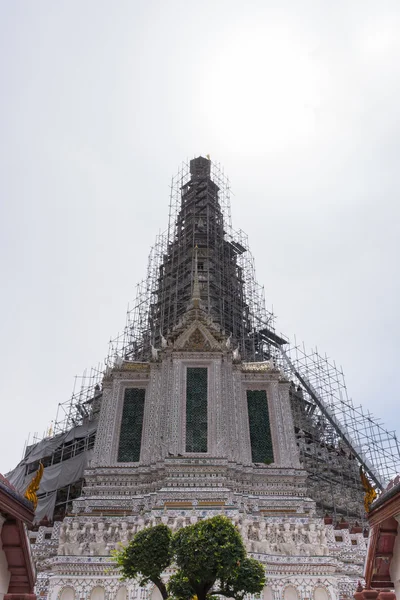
(197, 337)
(266, 502)
(197, 341)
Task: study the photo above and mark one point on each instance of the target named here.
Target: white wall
(97, 593)
(122, 593)
(67, 594)
(156, 594)
(320, 593)
(290, 593)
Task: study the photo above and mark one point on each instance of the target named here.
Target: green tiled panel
(196, 409)
(130, 437)
(260, 431)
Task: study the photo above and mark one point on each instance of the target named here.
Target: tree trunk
(161, 586)
(201, 592)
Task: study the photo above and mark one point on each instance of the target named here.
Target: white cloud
(299, 102)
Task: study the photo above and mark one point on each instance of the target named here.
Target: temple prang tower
(202, 408)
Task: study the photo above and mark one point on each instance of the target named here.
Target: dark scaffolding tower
(200, 224)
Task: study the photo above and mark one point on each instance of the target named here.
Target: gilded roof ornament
(370, 492)
(33, 487)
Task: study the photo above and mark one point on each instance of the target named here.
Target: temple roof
(11, 491)
(389, 492)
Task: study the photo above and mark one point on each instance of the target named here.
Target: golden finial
(208, 157)
(370, 492)
(31, 490)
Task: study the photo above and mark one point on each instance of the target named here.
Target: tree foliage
(248, 579)
(147, 556)
(209, 558)
(179, 587)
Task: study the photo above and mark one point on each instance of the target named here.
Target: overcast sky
(101, 101)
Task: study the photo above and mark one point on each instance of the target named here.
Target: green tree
(146, 557)
(249, 579)
(209, 558)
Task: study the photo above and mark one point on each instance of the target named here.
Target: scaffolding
(83, 404)
(376, 448)
(334, 436)
(199, 215)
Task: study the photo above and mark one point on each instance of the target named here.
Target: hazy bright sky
(101, 101)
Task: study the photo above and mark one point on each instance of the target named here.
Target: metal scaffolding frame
(376, 448)
(334, 436)
(83, 404)
(148, 317)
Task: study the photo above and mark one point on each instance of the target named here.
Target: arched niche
(122, 593)
(320, 593)
(267, 593)
(156, 594)
(67, 593)
(290, 593)
(97, 593)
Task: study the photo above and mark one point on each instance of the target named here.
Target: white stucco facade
(304, 558)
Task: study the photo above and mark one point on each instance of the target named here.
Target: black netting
(196, 409)
(131, 426)
(260, 431)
